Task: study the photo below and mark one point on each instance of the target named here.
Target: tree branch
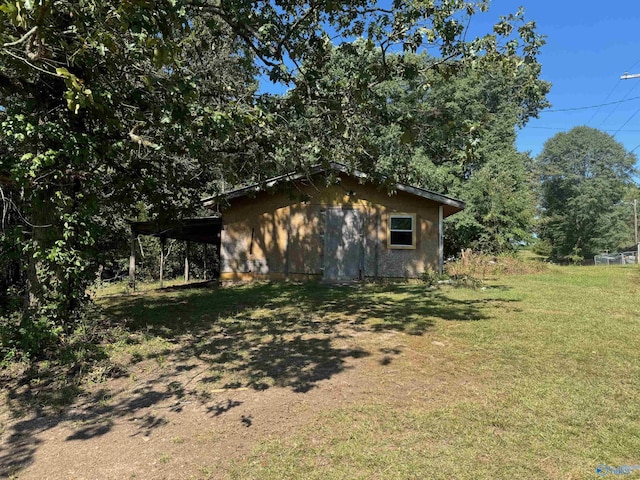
(22, 39)
(140, 140)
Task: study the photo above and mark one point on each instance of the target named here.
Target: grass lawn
(532, 376)
(551, 373)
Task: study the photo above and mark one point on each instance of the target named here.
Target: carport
(204, 230)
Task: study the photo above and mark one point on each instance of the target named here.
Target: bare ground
(212, 389)
(141, 426)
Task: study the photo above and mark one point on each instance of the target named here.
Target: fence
(623, 258)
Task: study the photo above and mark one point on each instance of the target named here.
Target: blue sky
(589, 46)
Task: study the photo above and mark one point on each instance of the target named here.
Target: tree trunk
(43, 236)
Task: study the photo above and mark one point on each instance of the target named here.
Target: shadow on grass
(249, 337)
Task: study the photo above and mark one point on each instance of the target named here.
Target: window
(402, 231)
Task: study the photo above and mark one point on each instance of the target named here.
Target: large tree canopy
(585, 174)
(106, 106)
(453, 133)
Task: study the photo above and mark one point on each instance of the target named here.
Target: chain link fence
(623, 258)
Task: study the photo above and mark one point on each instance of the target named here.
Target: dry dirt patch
(137, 427)
(195, 389)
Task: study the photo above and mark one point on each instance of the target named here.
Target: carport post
(204, 266)
(440, 241)
(186, 263)
(162, 243)
(132, 261)
(635, 226)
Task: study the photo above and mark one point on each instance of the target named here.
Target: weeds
(480, 266)
(472, 269)
(433, 278)
(466, 281)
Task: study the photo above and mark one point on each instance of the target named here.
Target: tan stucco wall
(275, 235)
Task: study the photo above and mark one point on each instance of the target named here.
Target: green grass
(551, 363)
(532, 376)
(264, 335)
(556, 359)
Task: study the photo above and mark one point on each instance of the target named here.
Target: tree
(101, 113)
(584, 175)
(452, 133)
(476, 160)
(500, 207)
(107, 106)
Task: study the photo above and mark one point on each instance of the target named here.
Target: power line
(565, 128)
(612, 111)
(591, 106)
(612, 90)
(628, 120)
(605, 99)
(627, 76)
(633, 66)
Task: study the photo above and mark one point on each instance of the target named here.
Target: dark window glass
(402, 238)
(401, 223)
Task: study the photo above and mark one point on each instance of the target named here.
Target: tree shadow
(216, 342)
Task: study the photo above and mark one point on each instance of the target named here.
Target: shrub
(543, 248)
(480, 266)
(466, 281)
(431, 277)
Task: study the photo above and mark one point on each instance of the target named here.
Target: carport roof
(199, 229)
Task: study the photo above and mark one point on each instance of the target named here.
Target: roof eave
(453, 205)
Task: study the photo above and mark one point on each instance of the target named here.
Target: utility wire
(605, 99)
(565, 128)
(615, 108)
(634, 113)
(612, 90)
(591, 106)
(625, 123)
(633, 66)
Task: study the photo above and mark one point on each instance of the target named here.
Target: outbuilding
(331, 224)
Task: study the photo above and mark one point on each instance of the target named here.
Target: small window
(402, 231)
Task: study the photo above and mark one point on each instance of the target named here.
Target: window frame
(392, 246)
